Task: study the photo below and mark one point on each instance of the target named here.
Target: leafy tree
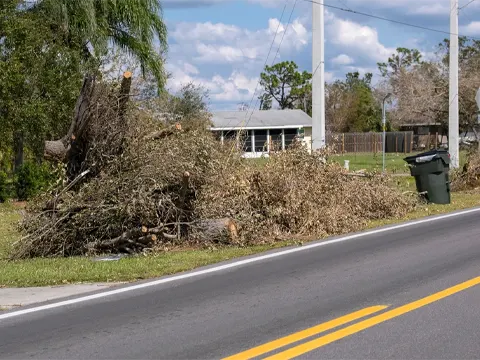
(40, 80)
(351, 105)
(284, 83)
(403, 59)
(468, 50)
(421, 89)
(265, 101)
(134, 26)
(46, 46)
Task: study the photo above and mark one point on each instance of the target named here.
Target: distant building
(263, 131)
(427, 135)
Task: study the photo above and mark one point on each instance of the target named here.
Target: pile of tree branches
(136, 181)
(468, 178)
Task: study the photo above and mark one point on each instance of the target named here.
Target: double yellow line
(344, 332)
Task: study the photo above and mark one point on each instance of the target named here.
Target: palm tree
(135, 26)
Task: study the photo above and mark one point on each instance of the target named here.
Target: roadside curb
(12, 298)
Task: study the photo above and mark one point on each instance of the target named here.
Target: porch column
(253, 141)
(268, 140)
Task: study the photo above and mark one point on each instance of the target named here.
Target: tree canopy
(284, 83)
(48, 46)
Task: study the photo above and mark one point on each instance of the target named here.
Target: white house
(264, 130)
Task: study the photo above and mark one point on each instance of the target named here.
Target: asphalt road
(410, 293)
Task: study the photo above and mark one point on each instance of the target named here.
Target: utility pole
(384, 130)
(318, 80)
(453, 130)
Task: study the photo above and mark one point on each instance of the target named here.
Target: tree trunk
(73, 146)
(60, 149)
(18, 150)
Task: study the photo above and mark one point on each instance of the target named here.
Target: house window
(260, 140)
(230, 135)
(423, 130)
(246, 140)
(290, 135)
(276, 139)
(217, 135)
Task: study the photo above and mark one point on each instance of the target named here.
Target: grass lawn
(43, 271)
(394, 163)
(38, 272)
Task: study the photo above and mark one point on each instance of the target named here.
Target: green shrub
(4, 187)
(32, 179)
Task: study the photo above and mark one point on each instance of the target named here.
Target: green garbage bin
(430, 170)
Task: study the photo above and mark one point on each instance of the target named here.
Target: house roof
(260, 119)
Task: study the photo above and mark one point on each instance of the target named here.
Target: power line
(278, 50)
(268, 55)
(286, 28)
(386, 19)
(464, 6)
(345, 4)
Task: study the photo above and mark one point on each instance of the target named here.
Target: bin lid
(429, 156)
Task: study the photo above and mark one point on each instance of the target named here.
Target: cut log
(124, 93)
(128, 241)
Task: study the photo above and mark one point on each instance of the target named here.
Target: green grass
(42, 271)
(394, 163)
(9, 217)
(39, 272)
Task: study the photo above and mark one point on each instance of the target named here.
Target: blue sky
(223, 44)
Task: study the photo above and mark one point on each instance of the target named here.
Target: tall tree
(75, 33)
(265, 101)
(422, 93)
(403, 59)
(40, 81)
(284, 83)
(351, 105)
(134, 26)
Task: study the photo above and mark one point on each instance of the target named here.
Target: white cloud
(236, 55)
(414, 7)
(471, 29)
(235, 88)
(190, 3)
(266, 3)
(329, 76)
(220, 43)
(357, 39)
(431, 9)
(342, 60)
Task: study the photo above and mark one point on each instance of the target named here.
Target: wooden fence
(396, 142)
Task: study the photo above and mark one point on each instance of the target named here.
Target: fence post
(355, 143)
(396, 144)
(405, 146)
(343, 143)
(436, 140)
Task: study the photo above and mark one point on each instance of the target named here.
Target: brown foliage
(146, 191)
(469, 177)
(297, 194)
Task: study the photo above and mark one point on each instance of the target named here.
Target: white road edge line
(231, 265)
